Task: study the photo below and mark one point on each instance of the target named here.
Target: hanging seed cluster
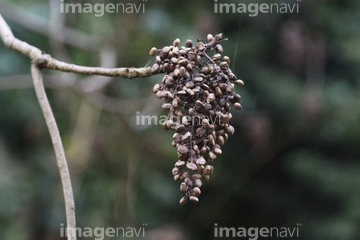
(198, 92)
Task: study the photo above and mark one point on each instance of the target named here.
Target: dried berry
(198, 91)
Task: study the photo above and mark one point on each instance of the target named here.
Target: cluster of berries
(198, 91)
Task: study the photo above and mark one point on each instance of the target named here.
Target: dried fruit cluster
(198, 91)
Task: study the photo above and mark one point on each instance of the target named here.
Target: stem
(58, 147)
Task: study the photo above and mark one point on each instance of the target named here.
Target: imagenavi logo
(253, 233)
(253, 9)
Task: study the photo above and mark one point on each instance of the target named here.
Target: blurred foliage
(294, 157)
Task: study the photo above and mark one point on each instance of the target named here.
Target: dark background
(294, 157)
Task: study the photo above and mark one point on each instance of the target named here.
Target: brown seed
(176, 72)
(185, 120)
(183, 200)
(153, 51)
(191, 166)
(186, 136)
(200, 132)
(218, 92)
(208, 170)
(179, 163)
(196, 148)
(177, 138)
(216, 57)
(230, 129)
(159, 94)
(188, 43)
(192, 112)
(224, 118)
(200, 168)
(230, 88)
(168, 94)
(188, 182)
(174, 60)
(175, 51)
(237, 97)
(196, 176)
(210, 98)
(182, 52)
(182, 72)
(212, 156)
(219, 48)
(197, 183)
(221, 140)
(180, 128)
(156, 88)
(205, 86)
(194, 199)
(200, 161)
(184, 175)
(239, 82)
(224, 65)
(196, 191)
(190, 84)
(165, 50)
(176, 177)
(206, 178)
(183, 62)
(189, 67)
(166, 67)
(182, 149)
(175, 103)
(198, 79)
(217, 151)
(231, 76)
(190, 92)
(210, 37)
(205, 122)
(181, 92)
(155, 68)
(205, 70)
(237, 106)
(158, 59)
(226, 59)
(176, 42)
(166, 106)
(203, 150)
(183, 187)
(175, 171)
(200, 46)
(166, 125)
(207, 106)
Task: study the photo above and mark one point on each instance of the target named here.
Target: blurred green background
(294, 157)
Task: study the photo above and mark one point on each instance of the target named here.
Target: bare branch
(58, 147)
(43, 60)
(39, 24)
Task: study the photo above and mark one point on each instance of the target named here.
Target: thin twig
(43, 60)
(39, 24)
(58, 147)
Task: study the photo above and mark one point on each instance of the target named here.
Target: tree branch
(43, 60)
(58, 147)
(38, 24)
